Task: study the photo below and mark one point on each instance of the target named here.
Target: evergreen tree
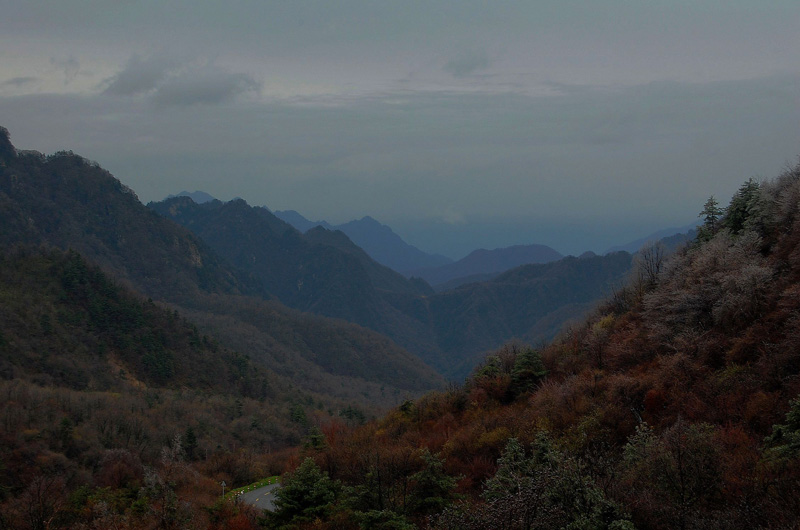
(434, 489)
(528, 371)
(744, 204)
(785, 439)
(190, 443)
(711, 214)
(304, 495)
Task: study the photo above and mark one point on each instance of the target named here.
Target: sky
(460, 124)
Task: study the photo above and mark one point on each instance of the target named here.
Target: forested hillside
(675, 405)
(67, 202)
(139, 369)
(322, 271)
(529, 303)
(97, 383)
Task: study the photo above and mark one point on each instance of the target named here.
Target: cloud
(466, 63)
(19, 81)
(139, 76)
(203, 86)
(70, 66)
(584, 163)
(168, 82)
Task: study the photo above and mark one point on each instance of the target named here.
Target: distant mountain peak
(375, 238)
(483, 262)
(198, 196)
(7, 150)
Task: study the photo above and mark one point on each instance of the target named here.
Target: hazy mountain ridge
(321, 271)
(484, 261)
(198, 196)
(672, 237)
(377, 240)
(448, 330)
(530, 303)
(297, 220)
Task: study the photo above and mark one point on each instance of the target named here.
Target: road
(261, 498)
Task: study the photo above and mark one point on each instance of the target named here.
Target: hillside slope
(322, 271)
(676, 405)
(64, 201)
(529, 303)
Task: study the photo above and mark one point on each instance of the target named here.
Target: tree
(528, 371)
(304, 495)
(744, 206)
(546, 489)
(711, 214)
(433, 488)
(784, 443)
(649, 262)
(676, 476)
(190, 443)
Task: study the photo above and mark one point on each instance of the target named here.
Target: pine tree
(711, 214)
(528, 371)
(305, 494)
(434, 489)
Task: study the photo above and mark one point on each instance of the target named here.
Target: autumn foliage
(673, 406)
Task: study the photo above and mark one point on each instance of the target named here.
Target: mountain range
(676, 404)
(149, 353)
(324, 272)
(377, 240)
(66, 202)
(484, 264)
(671, 237)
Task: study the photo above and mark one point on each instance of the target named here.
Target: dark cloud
(19, 81)
(206, 86)
(167, 82)
(139, 76)
(467, 63)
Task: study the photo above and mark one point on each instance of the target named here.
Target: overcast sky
(461, 124)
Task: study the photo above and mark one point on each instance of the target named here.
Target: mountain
(66, 202)
(386, 247)
(67, 324)
(107, 395)
(224, 280)
(321, 271)
(676, 404)
(295, 219)
(484, 261)
(324, 272)
(530, 303)
(199, 197)
(377, 240)
(671, 236)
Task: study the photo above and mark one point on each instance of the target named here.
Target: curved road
(261, 498)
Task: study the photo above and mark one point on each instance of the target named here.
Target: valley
(149, 353)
